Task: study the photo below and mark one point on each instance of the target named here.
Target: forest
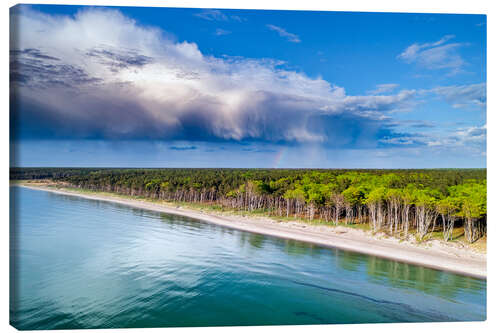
(398, 202)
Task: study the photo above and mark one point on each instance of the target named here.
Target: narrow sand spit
(433, 255)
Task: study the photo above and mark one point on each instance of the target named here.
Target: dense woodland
(399, 202)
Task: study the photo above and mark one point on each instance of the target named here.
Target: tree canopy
(394, 200)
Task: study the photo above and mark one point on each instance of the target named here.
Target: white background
(417, 6)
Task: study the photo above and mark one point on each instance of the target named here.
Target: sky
(176, 87)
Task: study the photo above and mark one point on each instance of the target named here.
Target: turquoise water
(78, 263)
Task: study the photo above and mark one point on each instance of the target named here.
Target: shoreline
(439, 256)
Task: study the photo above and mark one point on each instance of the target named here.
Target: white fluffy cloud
(464, 95)
(383, 88)
(100, 73)
(465, 139)
(222, 32)
(285, 34)
(217, 15)
(435, 55)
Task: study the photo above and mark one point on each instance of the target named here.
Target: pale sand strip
(439, 256)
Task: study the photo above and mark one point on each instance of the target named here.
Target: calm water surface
(78, 263)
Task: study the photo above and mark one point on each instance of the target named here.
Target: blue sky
(172, 87)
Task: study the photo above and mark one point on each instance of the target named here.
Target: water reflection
(254, 241)
(350, 261)
(427, 280)
(380, 270)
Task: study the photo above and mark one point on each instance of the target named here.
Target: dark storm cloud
(32, 53)
(422, 125)
(95, 119)
(118, 59)
(183, 148)
(258, 150)
(32, 67)
(414, 124)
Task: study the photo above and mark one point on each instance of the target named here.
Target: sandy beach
(433, 254)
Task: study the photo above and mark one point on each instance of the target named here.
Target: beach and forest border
(455, 257)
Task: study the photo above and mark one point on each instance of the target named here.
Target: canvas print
(176, 167)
